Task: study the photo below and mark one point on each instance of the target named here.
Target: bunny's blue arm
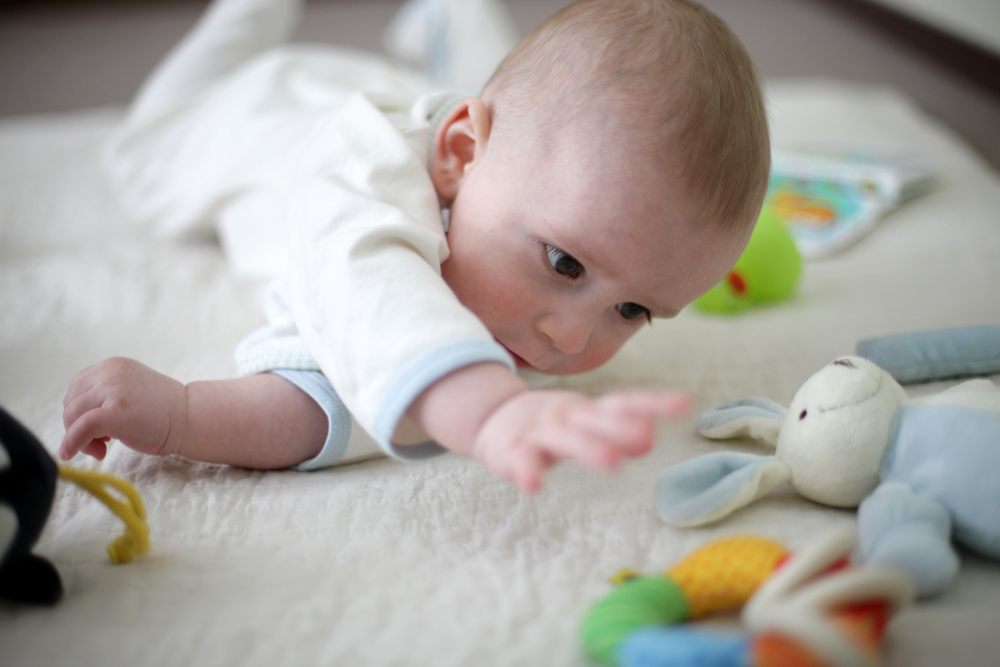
(901, 528)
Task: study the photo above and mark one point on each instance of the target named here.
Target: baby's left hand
(126, 400)
(534, 430)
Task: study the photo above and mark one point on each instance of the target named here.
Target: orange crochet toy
(811, 608)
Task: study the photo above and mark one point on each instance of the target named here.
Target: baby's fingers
(659, 404)
(80, 402)
(81, 383)
(626, 434)
(601, 447)
(525, 466)
(625, 423)
(97, 448)
(83, 434)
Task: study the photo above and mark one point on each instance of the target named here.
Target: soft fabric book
(829, 199)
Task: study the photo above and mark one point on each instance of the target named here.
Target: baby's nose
(568, 331)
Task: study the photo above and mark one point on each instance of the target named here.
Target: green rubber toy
(766, 272)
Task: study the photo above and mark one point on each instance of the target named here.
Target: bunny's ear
(710, 487)
(756, 417)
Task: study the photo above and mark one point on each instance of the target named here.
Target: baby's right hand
(126, 400)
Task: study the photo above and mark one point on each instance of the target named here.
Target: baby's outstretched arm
(486, 412)
(260, 421)
(263, 421)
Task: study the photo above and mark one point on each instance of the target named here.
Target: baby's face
(566, 247)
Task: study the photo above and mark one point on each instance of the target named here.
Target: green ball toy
(766, 272)
(636, 603)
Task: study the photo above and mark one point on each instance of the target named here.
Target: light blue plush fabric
(935, 355)
(900, 528)
(740, 409)
(942, 466)
(700, 486)
(683, 647)
(951, 454)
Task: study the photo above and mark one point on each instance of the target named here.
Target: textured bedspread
(384, 563)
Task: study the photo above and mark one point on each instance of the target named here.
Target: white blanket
(384, 563)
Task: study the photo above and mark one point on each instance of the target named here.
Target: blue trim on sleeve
(320, 390)
(415, 378)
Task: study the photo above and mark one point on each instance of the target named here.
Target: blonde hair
(687, 76)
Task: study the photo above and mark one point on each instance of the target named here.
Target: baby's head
(611, 171)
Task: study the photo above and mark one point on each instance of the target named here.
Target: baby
(610, 172)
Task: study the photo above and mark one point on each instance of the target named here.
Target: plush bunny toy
(922, 470)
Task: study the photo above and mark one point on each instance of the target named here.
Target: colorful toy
(923, 470)
(807, 609)
(765, 273)
(828, 199)
(27, 487)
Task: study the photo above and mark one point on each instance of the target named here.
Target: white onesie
(313, 160)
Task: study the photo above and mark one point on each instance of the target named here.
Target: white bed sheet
(384, 563)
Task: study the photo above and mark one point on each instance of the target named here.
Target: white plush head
(836, 430)
(828, 444)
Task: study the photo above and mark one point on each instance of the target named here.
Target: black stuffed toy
(27, 486)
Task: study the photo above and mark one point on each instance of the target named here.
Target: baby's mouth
(519, 361)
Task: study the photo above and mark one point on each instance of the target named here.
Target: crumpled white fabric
(386, 563)
(459, 43)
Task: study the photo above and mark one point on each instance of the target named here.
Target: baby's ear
(713, 486)
(758, 418)
(459, 142)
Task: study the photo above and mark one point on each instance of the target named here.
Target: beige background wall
(58, 55)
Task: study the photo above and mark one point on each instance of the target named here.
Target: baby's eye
(561, 263)
(631, 311)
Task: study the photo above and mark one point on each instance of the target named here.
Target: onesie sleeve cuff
(415, 378)
(339, 433)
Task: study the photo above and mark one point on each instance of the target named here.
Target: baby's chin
(519, 362)
(522, 364)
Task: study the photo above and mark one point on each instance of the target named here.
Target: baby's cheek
(496, 303)
(510, 303)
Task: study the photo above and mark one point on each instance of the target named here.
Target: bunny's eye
(802, 415)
